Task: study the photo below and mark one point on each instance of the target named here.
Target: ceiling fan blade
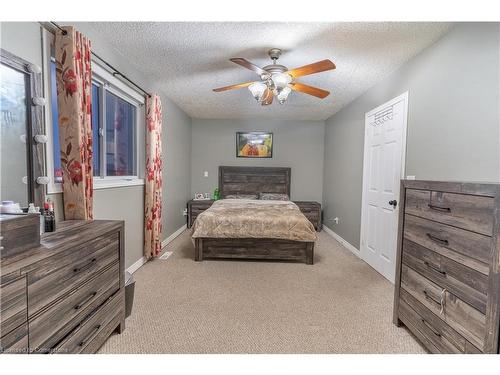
(316, 67)
(306, 89)
(267, 97)
(232, 87)
(247, 64)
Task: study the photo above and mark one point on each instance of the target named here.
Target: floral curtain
(153, 195)
(74, 85)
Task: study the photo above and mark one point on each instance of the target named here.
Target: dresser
(311, 210)
(63, 293)
(447, 287)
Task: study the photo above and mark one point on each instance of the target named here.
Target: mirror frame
(34, 126)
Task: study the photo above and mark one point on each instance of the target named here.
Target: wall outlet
(410, 177)
(185, 212)
(205, 174)
(336, 220)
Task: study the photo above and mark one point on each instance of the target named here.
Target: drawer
(90, 329)
(437, 336)
(312, 216)
(462, 317)
(16, 341)
(198, 210)
(52, 324)
(56, 276)
(308, 207)
(200, 206)
(102, 336)
(471, 249)
(13, 310)
(464, 282)
(471, 212)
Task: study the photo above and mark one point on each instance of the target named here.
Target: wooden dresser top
(68, 234)
(490, 189)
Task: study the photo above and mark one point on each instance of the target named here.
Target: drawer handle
(431, 328)
(441, 302)
(84, 302)
(87, 339)
(434, 268)
(84, 267)
(438, 240)
(431, 298)
(437, 208)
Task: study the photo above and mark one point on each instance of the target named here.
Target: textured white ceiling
(189, 59)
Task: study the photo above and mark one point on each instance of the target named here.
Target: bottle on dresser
(49, 216)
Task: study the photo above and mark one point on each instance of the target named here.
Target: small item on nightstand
(216, 194)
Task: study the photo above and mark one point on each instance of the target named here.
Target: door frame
(404, 96)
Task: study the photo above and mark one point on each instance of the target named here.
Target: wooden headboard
(253, 180)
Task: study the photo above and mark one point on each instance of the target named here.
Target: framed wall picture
(254, 145)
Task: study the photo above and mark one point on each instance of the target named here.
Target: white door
(383, 166)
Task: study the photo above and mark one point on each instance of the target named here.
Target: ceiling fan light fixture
(278, 81)
(281, 80)
(283, 94)
(257, 89)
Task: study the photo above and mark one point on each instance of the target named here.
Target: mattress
(247, 218)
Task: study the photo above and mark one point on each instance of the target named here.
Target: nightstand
(311, 210)
(196, 207)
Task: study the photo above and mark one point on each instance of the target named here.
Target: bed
(253, 229)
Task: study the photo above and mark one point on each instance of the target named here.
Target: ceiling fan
(277, 80)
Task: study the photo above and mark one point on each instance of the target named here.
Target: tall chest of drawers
(447, 290)
(64, 293)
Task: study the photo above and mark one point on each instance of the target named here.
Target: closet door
(385, 138)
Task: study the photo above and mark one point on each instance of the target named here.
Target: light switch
(205, 174)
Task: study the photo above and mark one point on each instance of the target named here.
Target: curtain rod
(116, 72)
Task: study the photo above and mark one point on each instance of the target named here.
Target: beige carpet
(338, 305)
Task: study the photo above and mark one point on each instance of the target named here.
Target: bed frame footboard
(253, 248)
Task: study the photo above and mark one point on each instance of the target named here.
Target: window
(120, 136)
(116, 117)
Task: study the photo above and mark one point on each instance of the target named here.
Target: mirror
(20, 122)
(13, 126)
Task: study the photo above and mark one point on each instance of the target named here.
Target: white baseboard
(173, 236)
(141, 261)
(343, 242)
(134, 267)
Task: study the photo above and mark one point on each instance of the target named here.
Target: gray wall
(453, 122)
(297, 144)
(176, 142)
(125, 203)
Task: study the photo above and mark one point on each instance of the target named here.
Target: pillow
(241, 196)
(274, 197)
